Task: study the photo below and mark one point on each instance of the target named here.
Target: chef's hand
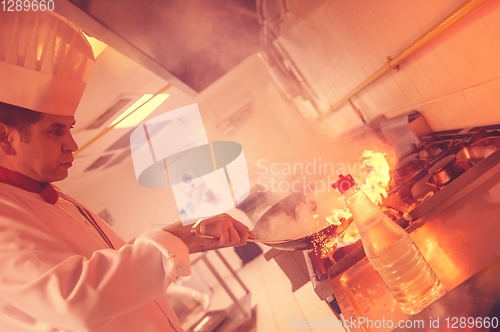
(220, 231)
(215, 232)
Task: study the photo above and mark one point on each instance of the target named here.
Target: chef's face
(48, 153)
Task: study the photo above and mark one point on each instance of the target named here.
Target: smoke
(196, 41)
(312, 174)
(298, 216)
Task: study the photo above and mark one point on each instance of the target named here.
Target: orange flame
(377, 178)
(375, 185)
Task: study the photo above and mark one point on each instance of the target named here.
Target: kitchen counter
(460, 238)
(478, 297)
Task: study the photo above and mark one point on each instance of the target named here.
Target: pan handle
(251, 238)
(204, 236)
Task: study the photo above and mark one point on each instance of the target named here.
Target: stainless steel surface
(321, 286)
(458, 235)
(445, 171)
(445, 314)
(458, 188)
(308, 242)
(236, 314)
(471, 155)
(356, 273)
(288, 207)
(408, 166)
(246, 313)
(420, 188)
(269, 242)
(403, 131)
(430, 151)
(196, 41)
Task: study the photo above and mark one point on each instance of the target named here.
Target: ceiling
(115, 84)
(187, 44)
(196, 41)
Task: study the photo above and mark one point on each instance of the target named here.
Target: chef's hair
(19, 118)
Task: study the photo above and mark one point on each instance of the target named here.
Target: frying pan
(288, 206)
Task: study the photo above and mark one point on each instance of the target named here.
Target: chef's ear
(6, 139)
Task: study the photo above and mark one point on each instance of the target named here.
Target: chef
(61, 266)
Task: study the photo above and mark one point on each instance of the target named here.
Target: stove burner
(471, 155)
(429, 167)
(407, 167)
(423, 180)
(445, 171)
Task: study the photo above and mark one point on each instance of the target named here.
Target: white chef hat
(45, 61)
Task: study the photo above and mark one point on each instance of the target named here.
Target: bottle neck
(355, 196)
(362, 208)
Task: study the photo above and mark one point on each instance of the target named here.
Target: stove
(447, 196)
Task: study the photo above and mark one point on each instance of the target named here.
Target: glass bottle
(392, 252)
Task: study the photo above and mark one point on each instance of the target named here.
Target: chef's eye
(57, 132)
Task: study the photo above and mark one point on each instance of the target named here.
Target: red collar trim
(45, 189)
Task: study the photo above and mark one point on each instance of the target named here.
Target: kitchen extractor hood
(190, 43)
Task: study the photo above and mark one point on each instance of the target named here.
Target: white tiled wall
(454, 81)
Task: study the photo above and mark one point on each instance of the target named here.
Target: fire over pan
(288, 206)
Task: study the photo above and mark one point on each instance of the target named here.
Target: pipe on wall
(421, 42)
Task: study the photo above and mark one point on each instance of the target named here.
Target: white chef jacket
(57, 273)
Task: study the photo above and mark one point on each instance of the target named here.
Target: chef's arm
(43, 278)
(220, 231)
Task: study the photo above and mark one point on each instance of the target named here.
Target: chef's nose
(70, 144)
